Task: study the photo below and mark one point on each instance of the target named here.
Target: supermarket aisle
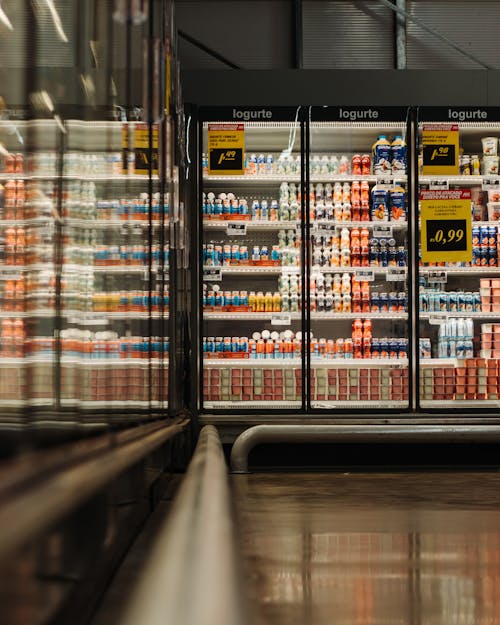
(360, 549)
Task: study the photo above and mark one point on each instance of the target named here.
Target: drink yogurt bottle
(397, 204)
(398, 155)
(381, 155)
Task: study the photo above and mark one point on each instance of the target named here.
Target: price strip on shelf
(439, 185)
(437, 277)
(236, 230)
(396, 274)
(10, 276)
(326, 226)
(226, 144)
(446, 220)
(365, 275)
(491, 183)
(440, 150)
(382, 232)
(281, 319)
(146, 149)
(212, 273)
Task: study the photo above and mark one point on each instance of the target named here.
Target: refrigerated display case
(459, 309)
(304, 252)
(359, 222)
(252, 259)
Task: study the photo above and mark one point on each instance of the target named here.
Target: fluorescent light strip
(57, 20)
(5, 20)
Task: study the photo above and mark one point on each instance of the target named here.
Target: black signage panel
(223, 160)
(439, 154)
(459, 114)
(252, 113)
(359, 114)
(446, 235)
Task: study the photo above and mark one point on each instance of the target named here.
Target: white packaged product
(494, 211)
(490, 165)
(490, 146)
(494, 195)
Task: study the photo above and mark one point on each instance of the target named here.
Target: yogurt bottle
(398, 155)
(381, 155)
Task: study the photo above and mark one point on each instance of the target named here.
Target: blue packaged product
(484, 236)
(453, 301)
(483, 257)
(401, 257)
(477, 301)
(492, 256)
(397, 204)
(443, 302)
(476, 235)
(460, 348)
(492, 236)
(219, 344)
(468, 348)
(393, 301)
(243, 207)
(384, 256)
(380, 205)
(402, 348)
(398, 155)
(375, 301)
(424, 302)
(218, 210)
(375, 348)
(269, 163)
(374, 256)
(264, 253)
(243, 254)
(461, 301)
(381, 153)
(469, 302)
(476, 256)
(218, 299)
(384, 302)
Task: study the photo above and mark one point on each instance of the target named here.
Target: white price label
(438, 277)
(326, 226)
(491, 183)
(88, 321)
(290, 269)
(396, 274)
(439, 185)
(137, 230)
(382, 232)
(436, 320)
(236, 230)
(11, 276)
(384, 182)
(212, 273)
(281, 319)
(367, 275)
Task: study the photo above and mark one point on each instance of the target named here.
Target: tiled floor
(370, 549)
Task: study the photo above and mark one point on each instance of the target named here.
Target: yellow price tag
(226, 146)
(440, 150)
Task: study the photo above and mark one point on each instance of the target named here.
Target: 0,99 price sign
(446, 226)
(226, 144)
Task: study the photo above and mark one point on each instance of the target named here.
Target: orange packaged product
(367, 329)
(357, 329)
(364, 192)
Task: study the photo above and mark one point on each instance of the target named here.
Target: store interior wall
(337, 34)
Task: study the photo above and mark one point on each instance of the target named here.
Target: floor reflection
(378, 549)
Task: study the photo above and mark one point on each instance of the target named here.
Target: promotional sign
(440, 150)
(446, 226)
(144, 152)
(226, 146)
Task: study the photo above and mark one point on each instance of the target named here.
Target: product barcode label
(491, 182)
(366, 275)
(439, 185)
(281, 319)
(382, 232)
(235, 230)
(212, 273)
(396, 274)
(438, 277)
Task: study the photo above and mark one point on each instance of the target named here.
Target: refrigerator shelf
(456, 404)
(462, 271)
(354, 315)
(443, 362)
(472, 315)
(396, 225)
(257, 316)
(253, 404)
(273, 178)
(361, 403)
(296, 363)
(376, 270)
(113, 223)
(82, 176)
(249, 269)
(284, 363)
(457, 180)
(212, 224)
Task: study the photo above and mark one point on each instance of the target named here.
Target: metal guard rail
(259, 434)
(192, 576)
(40, 491)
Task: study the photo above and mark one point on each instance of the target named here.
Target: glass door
(252, 257)
(459, 268)
(358, 224)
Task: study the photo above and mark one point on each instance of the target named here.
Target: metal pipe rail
(29, 506)
(192, 576)
(259, 434)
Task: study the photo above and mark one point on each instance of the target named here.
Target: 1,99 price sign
(226, 144)
(446, 226)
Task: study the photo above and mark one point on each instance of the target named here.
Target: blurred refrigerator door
(358, 224)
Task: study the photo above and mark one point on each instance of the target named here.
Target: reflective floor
(378, 549)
